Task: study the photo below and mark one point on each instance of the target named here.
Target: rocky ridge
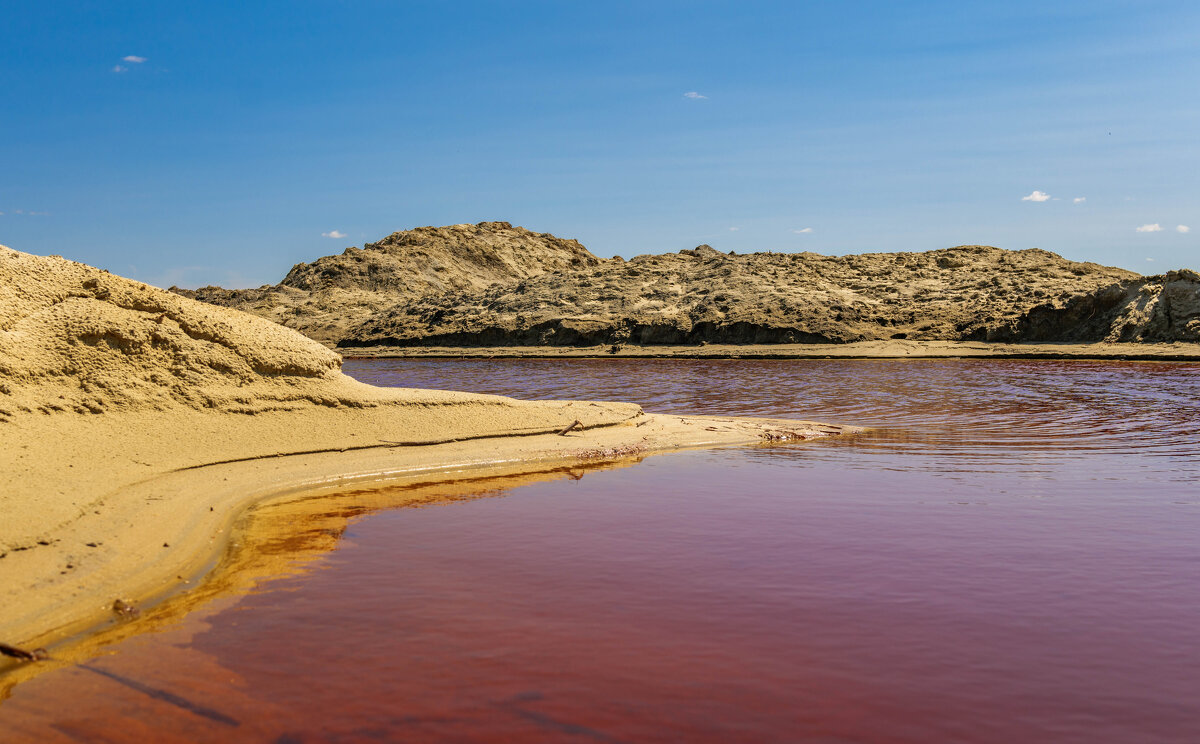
(705, 296)
(493, 284)
(323, 299)
(1152, 309)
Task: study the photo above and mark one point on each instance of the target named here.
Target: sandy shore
(120, 507)
(893, 349)
(136, 426)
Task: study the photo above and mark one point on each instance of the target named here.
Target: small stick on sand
(576, 424)
(19, 653)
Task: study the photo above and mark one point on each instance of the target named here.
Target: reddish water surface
(1012, 557)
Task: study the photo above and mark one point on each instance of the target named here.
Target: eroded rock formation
(493, 284)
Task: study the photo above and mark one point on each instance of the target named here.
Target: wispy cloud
(803, 231)
(119, 68)
(1149, 259)
(1036, 196)
(734, 229)
(1079, 199)
(1155, 227)
(1182, 229)
(693, 95)
(333, 234)
(134, 59)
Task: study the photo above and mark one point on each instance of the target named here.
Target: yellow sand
(135, 425)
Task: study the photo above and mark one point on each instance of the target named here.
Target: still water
(1010, 556)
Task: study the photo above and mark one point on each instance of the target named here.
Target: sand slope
(134, 423)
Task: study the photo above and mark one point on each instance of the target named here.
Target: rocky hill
(703, 295)
(1152, 309)
(492, 284)
(323, 299)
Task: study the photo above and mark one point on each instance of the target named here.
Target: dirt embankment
(323, 299)
(704, 296)
(493, 284)
(1152, 309)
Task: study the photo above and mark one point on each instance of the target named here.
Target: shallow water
(1010, 556)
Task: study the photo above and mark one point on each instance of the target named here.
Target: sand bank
(136, 425)
(892, 349)
(124, 507)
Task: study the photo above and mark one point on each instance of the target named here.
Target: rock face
(492, 284)
(323, 299)
(1153, 309)
(703, 295)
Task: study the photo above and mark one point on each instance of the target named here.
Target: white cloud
(333, 234)
(1036, 196)
(1150, 228)
(693, 95)
(1079, 199)
(133, 58)
(118, 68)
(1149, 259)
(804, 231)
(1182, 229)
(734, 229)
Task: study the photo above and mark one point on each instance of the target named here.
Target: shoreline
(149, 533)
(276, 539)
(890, 349)
(136, 426)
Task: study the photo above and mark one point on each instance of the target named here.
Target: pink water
(1012, 557)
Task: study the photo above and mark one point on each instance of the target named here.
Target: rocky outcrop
(705, 296)
(1153, 309)
(493, 284)
(323, 299)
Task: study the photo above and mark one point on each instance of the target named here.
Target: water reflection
(955, 415)
(1009, 556)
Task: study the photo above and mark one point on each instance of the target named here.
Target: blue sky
(216, 142)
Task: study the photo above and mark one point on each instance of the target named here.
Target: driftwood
(36, 654)
(576, 424)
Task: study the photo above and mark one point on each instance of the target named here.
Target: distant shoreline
(893, 349)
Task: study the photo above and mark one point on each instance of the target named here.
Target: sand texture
(463, 286)
(135, 424)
